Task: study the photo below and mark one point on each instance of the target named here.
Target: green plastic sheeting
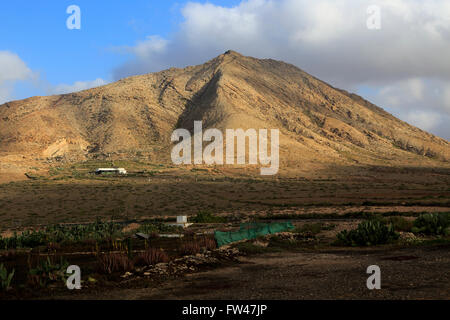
(249, 231)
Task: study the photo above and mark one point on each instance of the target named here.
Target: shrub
(26, 239)
(189, 247)
(109, 263)
(5, 278)
(47, 271)
(250, 248)
(207, 217)
(309, 228)
(432, 224)
(98, 230)
(151, 256)
(194, 246)
(314, 228)
(399, 223)
(368, 233)
(278, 242)
(58, 233)
(157, 227)
(209, 243)
(148, 228)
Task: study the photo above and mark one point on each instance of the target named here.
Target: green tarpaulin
(249, 231)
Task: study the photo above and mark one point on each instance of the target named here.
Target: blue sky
(402, 66)
(36, 31)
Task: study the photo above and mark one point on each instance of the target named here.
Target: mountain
(135, 117)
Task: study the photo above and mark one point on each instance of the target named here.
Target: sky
(395, 53)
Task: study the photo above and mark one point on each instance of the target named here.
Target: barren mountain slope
(136, 115)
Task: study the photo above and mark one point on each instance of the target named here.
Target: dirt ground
(406, 273)
(73, 195)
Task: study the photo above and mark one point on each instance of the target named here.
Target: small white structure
(111, 170)
(182, 221)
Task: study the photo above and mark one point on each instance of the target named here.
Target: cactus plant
(371, 232)
(432, 224)
(5, 277)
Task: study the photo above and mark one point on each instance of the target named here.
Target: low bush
(110, 262)
(251, 248)
(154, 228)
(59, 233)
(209, 243)
(196, 245)
(282, 243)
(47, 271)
(371, 232)
(28, 239)
(432, 224)
(399, 223)
(151, 256)
(314, 228)
(5, 278)
(189, 247)
(207, 217)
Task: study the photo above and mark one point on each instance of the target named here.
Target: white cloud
(403, 60)
(75, 87)
(326, 37)
(423, 119)
(403, 93)
(12, 69)
(5, 93)
(423, 102)
(446, 95)
(429, 121)
(414, 94)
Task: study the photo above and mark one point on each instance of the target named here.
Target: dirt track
(411, 273)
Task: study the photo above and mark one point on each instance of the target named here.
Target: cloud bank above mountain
(404, 64)
(76, 86)
(15, 70)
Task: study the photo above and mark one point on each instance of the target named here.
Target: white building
(111, 170)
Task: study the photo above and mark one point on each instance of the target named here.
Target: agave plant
(371, 232)
(5, 277)
(432, 223)
(58, 233)
(47, 271)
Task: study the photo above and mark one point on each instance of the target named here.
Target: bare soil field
(71, 194)
(306, 263)
(408, 273)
